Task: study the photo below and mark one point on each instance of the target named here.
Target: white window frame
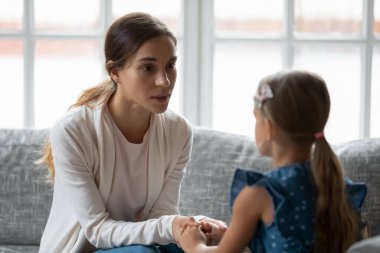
(198, 45)
(199, 96)
(29, 36)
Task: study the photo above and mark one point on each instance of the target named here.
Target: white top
(84, 156)
(130, 181)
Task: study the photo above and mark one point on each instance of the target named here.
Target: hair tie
(265, 94)
(319, 135)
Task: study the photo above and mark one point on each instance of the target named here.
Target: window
(47, 59)
(225, 47)
(332, 38)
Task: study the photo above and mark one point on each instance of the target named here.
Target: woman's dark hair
(300, 106)
(126, 35)
(123, 39)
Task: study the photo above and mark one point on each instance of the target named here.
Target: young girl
(118, 156)
(301, 205)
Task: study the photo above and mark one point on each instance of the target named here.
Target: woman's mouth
(161, 99)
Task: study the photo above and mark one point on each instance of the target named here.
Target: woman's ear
(112, 71)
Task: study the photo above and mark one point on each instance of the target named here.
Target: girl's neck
(132, 120)
(282, 156)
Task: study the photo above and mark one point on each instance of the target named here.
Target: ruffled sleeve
(241, 179)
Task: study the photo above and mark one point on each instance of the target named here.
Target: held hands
(213, 229)
(192, 238)
(179, 223)
(206, 232)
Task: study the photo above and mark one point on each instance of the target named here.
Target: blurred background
(50, 50)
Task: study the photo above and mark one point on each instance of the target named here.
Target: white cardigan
(84, 157)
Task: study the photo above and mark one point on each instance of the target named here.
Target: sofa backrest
(216, 155)
(25, 197)
(361, 161)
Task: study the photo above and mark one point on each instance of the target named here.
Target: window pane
(168, 11)
(11, 84)
(339, 66)
(375, 99)
(326, 17)
(68, 15)
(237, 70)
(246, 16)
(62, 70)
(376, 26)
(11, 14)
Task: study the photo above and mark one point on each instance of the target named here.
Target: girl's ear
(270, 129)
(112, 71)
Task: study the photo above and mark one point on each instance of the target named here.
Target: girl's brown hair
(123, 39)
(301, 106)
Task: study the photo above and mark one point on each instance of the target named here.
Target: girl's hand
(192, 237)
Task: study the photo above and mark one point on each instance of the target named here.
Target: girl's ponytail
(336, 224)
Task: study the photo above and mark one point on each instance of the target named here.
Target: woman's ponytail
(91, 97)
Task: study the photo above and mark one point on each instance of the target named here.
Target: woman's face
(148, 77)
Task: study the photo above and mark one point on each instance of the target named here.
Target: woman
(117, 157)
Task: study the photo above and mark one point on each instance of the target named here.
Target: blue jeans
(170, 248)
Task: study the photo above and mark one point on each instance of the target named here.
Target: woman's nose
(163, 80)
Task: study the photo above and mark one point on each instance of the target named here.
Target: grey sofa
(25, 197)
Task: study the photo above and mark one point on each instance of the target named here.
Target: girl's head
(296, 101)
(128, 33)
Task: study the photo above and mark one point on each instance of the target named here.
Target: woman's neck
(132, 120)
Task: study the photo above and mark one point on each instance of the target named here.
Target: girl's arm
(251, 205)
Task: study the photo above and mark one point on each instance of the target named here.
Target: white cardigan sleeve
(74, 154)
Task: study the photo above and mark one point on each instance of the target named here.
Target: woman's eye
(171, 65)
(147, 68)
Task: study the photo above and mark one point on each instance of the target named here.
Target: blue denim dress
(294, 198)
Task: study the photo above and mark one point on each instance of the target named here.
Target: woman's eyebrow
(174, 58)
(148, 59)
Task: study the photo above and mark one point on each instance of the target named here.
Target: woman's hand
(180, 223)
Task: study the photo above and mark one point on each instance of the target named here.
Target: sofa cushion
(370, 245)
(25, 197)
(18, 249)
